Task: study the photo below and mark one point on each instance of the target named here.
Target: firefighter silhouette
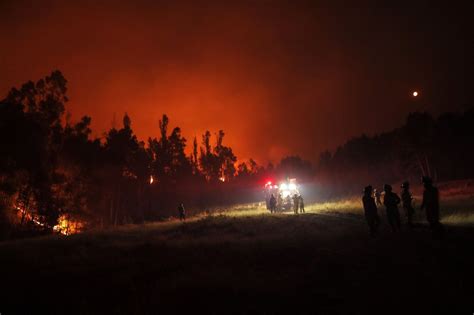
(181, 212)
(296, 200)
(431, 205)
(273, 204)
(301, 204)
(407, 200)
(370, 211)
(391, 202)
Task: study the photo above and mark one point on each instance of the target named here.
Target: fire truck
(283, 192)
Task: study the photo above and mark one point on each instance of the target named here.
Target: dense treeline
(441, 148)
(51, 168)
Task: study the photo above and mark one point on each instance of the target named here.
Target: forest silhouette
(52, 168)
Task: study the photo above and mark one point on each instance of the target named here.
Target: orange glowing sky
(279, 77)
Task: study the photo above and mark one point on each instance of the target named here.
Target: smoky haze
(279, 77)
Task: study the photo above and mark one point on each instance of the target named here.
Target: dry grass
(348, 206)
(243, 260)
(456, 208)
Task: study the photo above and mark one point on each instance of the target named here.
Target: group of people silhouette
(372, 199)
(278, 204)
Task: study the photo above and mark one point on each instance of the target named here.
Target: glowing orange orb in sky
(415, 93)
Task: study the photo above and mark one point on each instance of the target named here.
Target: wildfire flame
(66, 226)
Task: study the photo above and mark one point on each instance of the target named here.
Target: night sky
(279, 77)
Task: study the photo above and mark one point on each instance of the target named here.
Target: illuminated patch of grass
(350, 205)
(455, 209)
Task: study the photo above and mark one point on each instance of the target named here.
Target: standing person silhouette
(296, 201)
(182, 212)
(301, 204)
(273, 204)
(431, 205)
(407, 199)
(370, 211)
(391, 202)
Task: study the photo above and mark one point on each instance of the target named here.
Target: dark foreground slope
(312, 263)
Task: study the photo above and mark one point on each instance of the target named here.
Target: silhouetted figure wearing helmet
(391, 202)
(431, 205)
(370, 211)
(296, 203)
(182, 212)
(273, 204)
(301, 204)
(407, 199)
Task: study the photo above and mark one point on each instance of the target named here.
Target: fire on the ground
(65, 225)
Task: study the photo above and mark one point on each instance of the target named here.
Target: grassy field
(244, 260)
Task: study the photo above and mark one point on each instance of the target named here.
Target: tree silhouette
(35, 142)
(422, 146)
(169, 161)
(217, 163)
(194, 157)
(225, 158)
(209, 162)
